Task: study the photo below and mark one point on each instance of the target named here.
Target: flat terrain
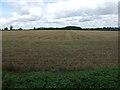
(49, 50)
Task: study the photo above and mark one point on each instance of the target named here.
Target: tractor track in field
(68, 35)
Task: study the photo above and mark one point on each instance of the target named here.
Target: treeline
(64, 28)
(104, 29)
(10, 28)
(79, 28)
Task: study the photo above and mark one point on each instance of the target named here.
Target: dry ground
(59, 50)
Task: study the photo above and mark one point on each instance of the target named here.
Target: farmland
(59, 51)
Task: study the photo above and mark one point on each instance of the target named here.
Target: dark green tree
(20, 29)
(34, 28)
(72, 28)
(6, 28)
(11, 27)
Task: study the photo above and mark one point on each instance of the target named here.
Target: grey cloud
(88, 16)
(119, 14)
(84, 20)
(109, 7)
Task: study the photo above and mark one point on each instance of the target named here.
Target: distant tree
(34, 28)
(6, 28)
(11, 27)
(20, 29)
(72, 28)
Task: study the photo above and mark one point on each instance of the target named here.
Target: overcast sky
(58, 13)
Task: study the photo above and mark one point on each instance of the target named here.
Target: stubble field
(50, 50)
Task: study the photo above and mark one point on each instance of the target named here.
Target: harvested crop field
(59, 50)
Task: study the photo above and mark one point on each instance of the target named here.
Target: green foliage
(20, 29)
(78, 28)
(11, 27)
(98, 78)
(6, 28)
(63, 28)
(73, 28)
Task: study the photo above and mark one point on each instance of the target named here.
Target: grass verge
(97, 78)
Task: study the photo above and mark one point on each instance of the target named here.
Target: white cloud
(85, 13)
(81, 7)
